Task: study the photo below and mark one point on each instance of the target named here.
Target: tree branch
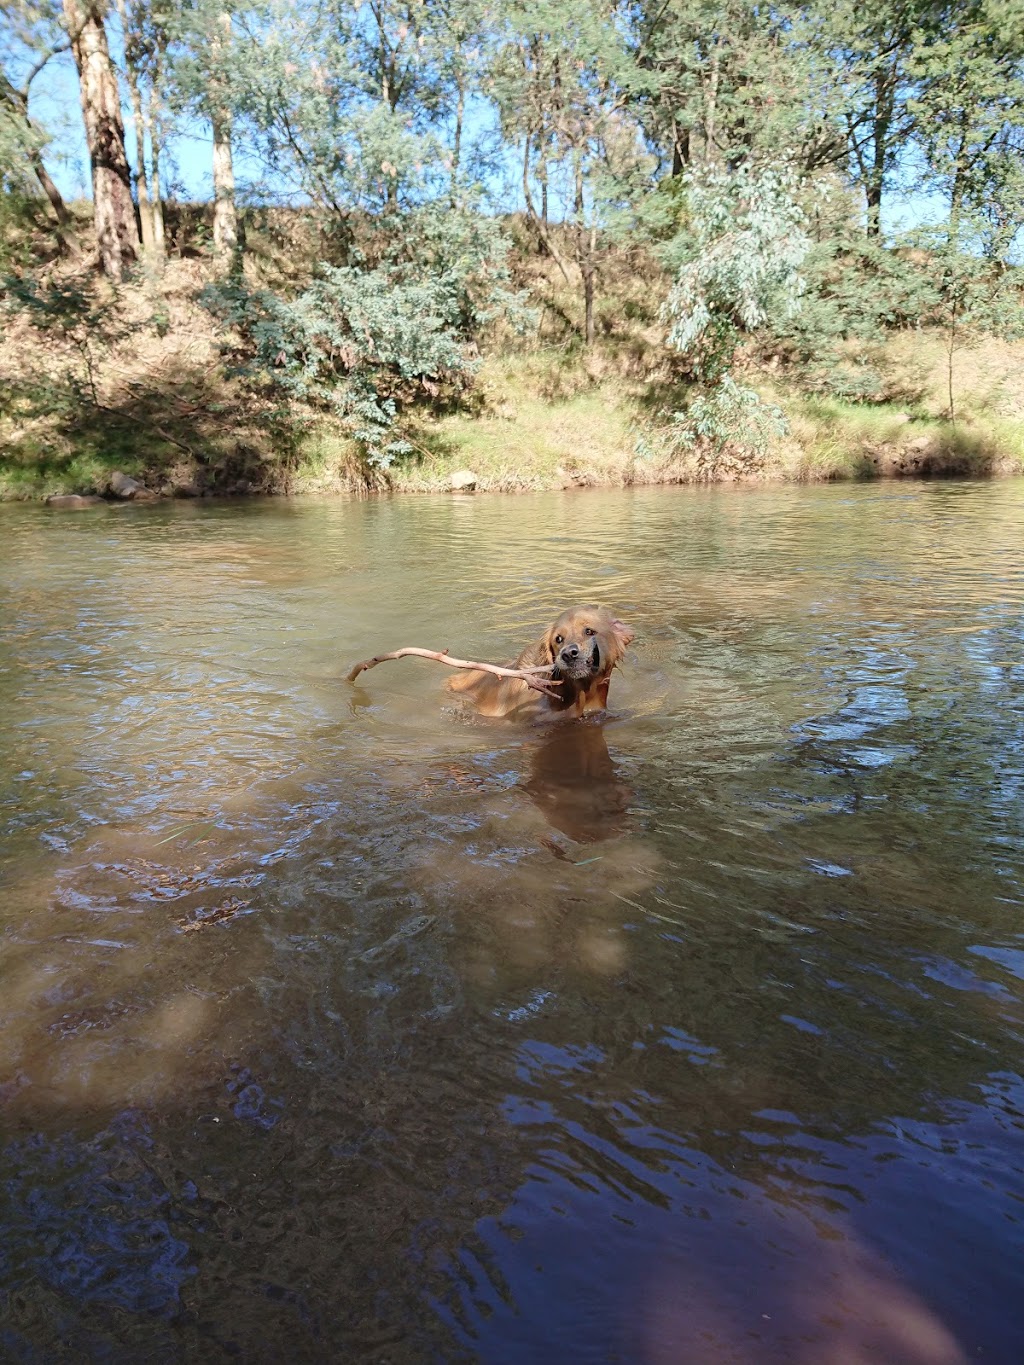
(527, 675)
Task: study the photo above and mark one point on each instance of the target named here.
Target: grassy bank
(537, 429)
(140, 385)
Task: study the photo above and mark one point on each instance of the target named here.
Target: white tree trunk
(225, 222)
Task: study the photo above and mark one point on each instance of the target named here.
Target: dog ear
(625, 635)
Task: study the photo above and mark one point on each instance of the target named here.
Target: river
(336, 1025)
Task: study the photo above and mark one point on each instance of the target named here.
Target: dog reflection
(574, 783)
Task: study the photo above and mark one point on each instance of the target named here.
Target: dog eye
(558, 639)
(588, 631)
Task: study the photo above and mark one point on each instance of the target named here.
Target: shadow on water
(317, 1044)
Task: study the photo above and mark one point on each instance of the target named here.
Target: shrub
(367, 340)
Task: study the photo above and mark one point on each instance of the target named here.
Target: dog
(583, 647)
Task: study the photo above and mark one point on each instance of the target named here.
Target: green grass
(833, 439)
(549, 417)
(37, 466)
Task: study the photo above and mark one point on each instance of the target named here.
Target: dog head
(585, 643)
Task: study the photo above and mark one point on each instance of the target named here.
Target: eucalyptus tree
(740, 255)
(735, 81)
(873, 49)
(117, 237)
(968, 66)
(145, 36)
(203, 69)
(32, 36)
(562, 80)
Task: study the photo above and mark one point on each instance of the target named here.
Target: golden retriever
(583, 646)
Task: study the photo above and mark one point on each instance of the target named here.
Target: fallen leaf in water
(217, 915)
(557, 850)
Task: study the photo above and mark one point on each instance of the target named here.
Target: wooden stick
(528, 675)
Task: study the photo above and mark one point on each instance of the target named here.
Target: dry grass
(156, 402)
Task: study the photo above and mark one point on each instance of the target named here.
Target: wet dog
(582, 647)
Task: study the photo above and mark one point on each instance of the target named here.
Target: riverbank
(605, 435)
(141, 384)
(519, 440)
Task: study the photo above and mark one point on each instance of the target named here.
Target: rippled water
(334, 1026)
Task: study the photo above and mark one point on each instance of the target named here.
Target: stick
(442, 656)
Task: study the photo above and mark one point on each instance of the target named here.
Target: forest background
(555, 244)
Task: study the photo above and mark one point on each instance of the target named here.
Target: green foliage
(366, 342)
(727, 428)
(740, 251)
(858, 292)
(700, 133)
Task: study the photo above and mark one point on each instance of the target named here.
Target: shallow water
(335, 1026)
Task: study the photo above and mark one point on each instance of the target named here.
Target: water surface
(335, 1026)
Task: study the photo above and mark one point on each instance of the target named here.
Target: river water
(335, 1025)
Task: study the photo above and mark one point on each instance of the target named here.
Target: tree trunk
(460, 110)
(135, 94)
(873, 194)
(542, 176)
(588, 287)
(680, 149)
(157, 204)
(225, 221)
(154, 129)
(586, 242)
(881, 124)
(711, 108)
(117, 238)
(51, 191)
(542, 232)
(141, 178)
(17, 102)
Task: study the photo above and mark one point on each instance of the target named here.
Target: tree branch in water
(528, 675)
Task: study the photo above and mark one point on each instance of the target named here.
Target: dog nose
(571, 652)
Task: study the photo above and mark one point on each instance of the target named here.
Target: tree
(872, 47)
(145, 37)
(208, 79)
(37, 36)
(969, 105)
(740, 254)
(117, 237)
(734, 81)
(561, 81)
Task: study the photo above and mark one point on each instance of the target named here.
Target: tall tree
(144, 35)
(561, 82)
(209, 80)
(733, 81)
(35, 33)
(225, 217)
(872, 47)
(117, 237)
(968, 65)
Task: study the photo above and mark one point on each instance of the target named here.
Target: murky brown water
(334, 1027)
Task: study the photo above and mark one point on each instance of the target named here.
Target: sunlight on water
(335, 1024)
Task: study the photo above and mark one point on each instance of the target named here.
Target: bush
(367, 340)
